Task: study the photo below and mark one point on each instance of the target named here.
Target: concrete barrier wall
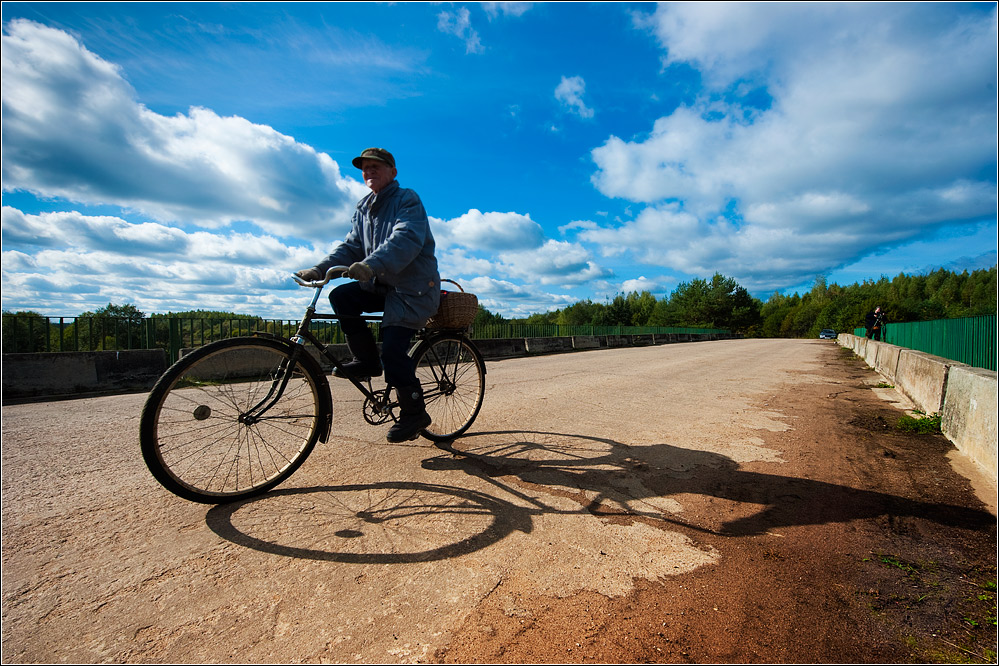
(548, 345)
(37, 376)
(586, 342)
(969, 414)
(922, 378)
(81, 373)
(965, 397)
(500, 348)
(886, 361)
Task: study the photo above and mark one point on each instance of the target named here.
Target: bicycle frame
(379, 400)
(201, 443)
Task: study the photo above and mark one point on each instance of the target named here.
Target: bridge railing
(969, 340)
(34, 333)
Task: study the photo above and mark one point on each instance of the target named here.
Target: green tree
(581, 313)
(24, 332)
(110, 327)
(484, 317)
(642, 305)
(615, 313)
(720, 303)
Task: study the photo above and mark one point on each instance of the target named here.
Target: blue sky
(182, 156)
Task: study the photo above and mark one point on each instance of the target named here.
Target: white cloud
(514, 300)
(69, 262)
(515, 9)
(489, 231)
(569, 92)
(459, 24)
(881, 126)
(80, 262)
(554, 263)
(73, 129)
(642, 283)
(512, 245)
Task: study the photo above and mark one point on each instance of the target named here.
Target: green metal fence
(970, 340)
(508, 331)
(32, 334)
(29, 333)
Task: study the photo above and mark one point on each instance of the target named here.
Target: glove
(309, 274)
(361, 272)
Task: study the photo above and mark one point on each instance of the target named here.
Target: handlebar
(331, 274)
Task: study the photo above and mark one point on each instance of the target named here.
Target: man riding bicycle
(390, 254)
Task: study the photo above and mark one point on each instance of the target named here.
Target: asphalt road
(377, 553)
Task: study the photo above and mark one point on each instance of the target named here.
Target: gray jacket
(391, 234)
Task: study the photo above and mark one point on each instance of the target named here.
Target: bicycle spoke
(201, 441)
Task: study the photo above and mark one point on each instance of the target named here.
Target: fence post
(150, 330)
(174, 339)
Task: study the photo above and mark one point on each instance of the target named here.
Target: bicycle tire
(195, 436)
(453, 377)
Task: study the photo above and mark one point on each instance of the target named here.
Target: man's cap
(379, 154)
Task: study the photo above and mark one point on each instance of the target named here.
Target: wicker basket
(457, 309)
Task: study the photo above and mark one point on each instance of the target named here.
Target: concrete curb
(965, 397)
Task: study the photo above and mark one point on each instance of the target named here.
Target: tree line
(719, 302)
(114, 327)
(722, 303)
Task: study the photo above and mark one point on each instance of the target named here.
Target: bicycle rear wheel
(453, 376)
(230, 421)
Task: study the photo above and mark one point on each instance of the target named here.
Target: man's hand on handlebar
(360, 271)
(309, 275)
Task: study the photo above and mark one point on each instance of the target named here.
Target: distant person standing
(875, 322)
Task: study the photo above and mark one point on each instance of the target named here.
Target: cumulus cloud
(514, 300)
(642, 283)
(569, 92)
(73, 129)
(880, 126)
(68, 260)
(514, 246)
(554, 263)
(489, 231)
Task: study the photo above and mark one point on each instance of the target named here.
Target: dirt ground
(868, 548)
(746, 501)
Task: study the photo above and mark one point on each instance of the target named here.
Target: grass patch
(947, 611)
(919, 423)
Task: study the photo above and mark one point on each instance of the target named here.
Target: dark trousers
(349, 302)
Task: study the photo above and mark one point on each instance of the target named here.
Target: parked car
(827, 334)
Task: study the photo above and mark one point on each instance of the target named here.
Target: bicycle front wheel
(232, 420)
(453, 377)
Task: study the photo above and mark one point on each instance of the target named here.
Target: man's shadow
(640, 480)
(395, 522)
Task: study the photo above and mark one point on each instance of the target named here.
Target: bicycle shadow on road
(404, 522)
(377, 523)
(656, 481)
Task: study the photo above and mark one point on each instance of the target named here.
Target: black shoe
(413, 417)
(358, 370)
(408, 428)
(366, 363)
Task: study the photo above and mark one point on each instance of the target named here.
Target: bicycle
(236, 417)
